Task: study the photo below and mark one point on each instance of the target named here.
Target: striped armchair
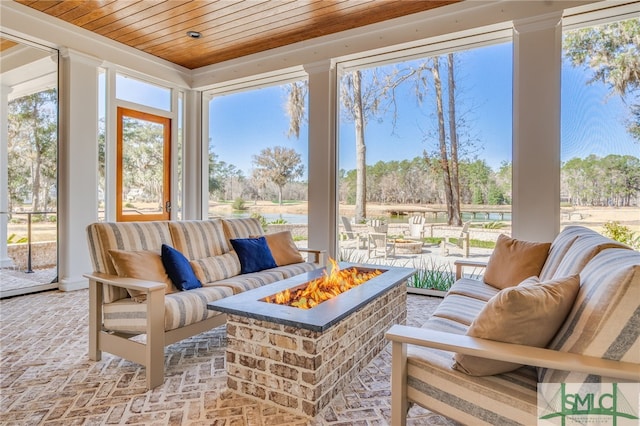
(164, 314)
(598, 341)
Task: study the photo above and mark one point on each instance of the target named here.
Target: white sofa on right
(599, 340)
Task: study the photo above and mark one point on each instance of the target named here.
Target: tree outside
(279, 165)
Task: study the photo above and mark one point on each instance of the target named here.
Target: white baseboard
(71, 284)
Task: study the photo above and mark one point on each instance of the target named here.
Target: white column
(194, 178)
(537, 50)
(322, 156)
(78, 166)
(5, 260)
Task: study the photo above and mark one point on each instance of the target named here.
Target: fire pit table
(299, 359)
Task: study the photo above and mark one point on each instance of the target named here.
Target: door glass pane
(142, 168)
(28, 168)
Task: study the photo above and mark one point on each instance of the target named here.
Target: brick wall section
(302, 370)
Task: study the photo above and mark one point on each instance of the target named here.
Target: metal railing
(29, 220)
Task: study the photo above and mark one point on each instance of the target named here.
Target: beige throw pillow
(528, 314)
(143, 265)
(514, 260)
(283, 248)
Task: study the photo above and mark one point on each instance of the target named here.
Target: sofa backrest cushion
(605, 318)
(204, 243)
(242, 228)
(105, 236)
(198, 239)
(583, 249)
(559, 248)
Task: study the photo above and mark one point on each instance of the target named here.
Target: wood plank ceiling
(229, 28)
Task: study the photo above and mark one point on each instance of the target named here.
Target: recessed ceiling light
(194, 34)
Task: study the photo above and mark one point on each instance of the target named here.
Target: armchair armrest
(460, 264)
(521, 354)
(127, 283)
(319, 256)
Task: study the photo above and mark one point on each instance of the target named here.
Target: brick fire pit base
(300, 369)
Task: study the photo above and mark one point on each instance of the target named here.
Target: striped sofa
(598, 341)
(115, 317)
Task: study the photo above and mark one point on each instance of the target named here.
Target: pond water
(272, 217)
(303, 219)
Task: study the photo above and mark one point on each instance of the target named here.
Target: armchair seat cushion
(181, 309)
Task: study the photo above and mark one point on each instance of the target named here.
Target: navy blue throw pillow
(254, 254)
(179, 269)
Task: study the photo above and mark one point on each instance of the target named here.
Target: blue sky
(242, 124)
(592, 121)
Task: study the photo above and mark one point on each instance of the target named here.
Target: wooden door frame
(166, 178)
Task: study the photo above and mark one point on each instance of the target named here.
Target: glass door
(143, 166)
(28, 167)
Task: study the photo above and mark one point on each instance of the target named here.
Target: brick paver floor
(47, 378)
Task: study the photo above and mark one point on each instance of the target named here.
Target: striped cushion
(294, 269)
(559, 248)
(245, 282)
(503, 399)
(583, 249)
(210, 269)
(242, 228)
(181, 309)
(198, 239)
(461, 309)
(605, 319)
(473, 288)
(445, 325)
(105, 236)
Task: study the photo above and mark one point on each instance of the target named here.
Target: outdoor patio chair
(379, 244)
(352, 239)
(377, 226)
(416, 227)
(461, 244)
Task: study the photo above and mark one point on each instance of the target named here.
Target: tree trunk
(456, 218)
(444, 160)
(361, 157)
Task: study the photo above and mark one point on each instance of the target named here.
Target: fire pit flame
(324, 288)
